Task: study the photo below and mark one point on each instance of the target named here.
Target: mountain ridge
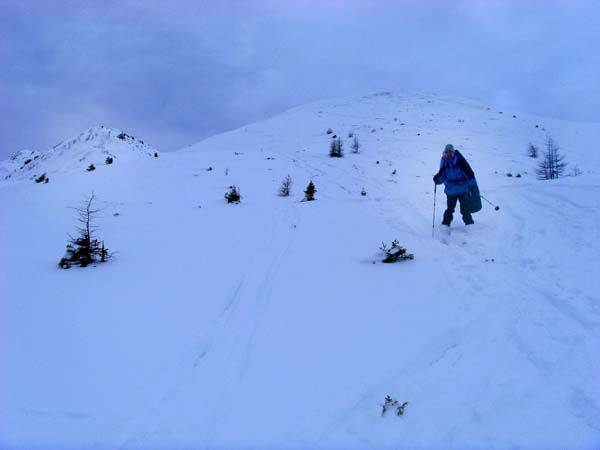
(91, 146)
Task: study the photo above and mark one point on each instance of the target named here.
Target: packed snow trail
(549, 325)
(272, 324)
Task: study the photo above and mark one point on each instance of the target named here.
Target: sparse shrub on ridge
(355, 146)
(284, 189)
(336, 148)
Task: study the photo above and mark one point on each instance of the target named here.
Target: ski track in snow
(241, 315)
(560, 307)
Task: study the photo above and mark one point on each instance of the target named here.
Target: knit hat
(449, 148)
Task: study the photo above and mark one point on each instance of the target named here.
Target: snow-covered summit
(92, 146)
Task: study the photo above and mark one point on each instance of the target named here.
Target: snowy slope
(92, 146)
(268, 325)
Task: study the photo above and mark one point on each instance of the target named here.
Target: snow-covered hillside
(92, 146)
(272, 323)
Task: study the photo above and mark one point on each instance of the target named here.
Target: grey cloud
(175, 72)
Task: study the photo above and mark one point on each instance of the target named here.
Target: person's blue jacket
(456, 174)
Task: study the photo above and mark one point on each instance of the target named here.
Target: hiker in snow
(460, 184)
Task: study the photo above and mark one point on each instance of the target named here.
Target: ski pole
(433, 226)
(495, 206)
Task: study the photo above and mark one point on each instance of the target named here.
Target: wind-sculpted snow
(272, 323)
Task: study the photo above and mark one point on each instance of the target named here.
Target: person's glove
(436, 177)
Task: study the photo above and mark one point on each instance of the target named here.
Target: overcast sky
(173, 72)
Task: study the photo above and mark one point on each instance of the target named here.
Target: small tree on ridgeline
(309, 193)
(336, 148)
(355, 146)
(85, 248)
(552, 164)
(532, 151)
(284, 189)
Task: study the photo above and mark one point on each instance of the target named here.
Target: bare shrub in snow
(552, 164)
(90, 168)
(109, 160)
(363, 192)
(42, 179)
(284, 189)
(390, 403)
(85, 248)
(309, 193)
(329, 131)
(395, 252)
(233, 195)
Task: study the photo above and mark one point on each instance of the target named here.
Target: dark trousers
(464, 200)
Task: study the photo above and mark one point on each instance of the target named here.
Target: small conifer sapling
(85, 248)
(233, 195)
(286, 184)
(336, 148)
(532, 151)
(309, 193)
